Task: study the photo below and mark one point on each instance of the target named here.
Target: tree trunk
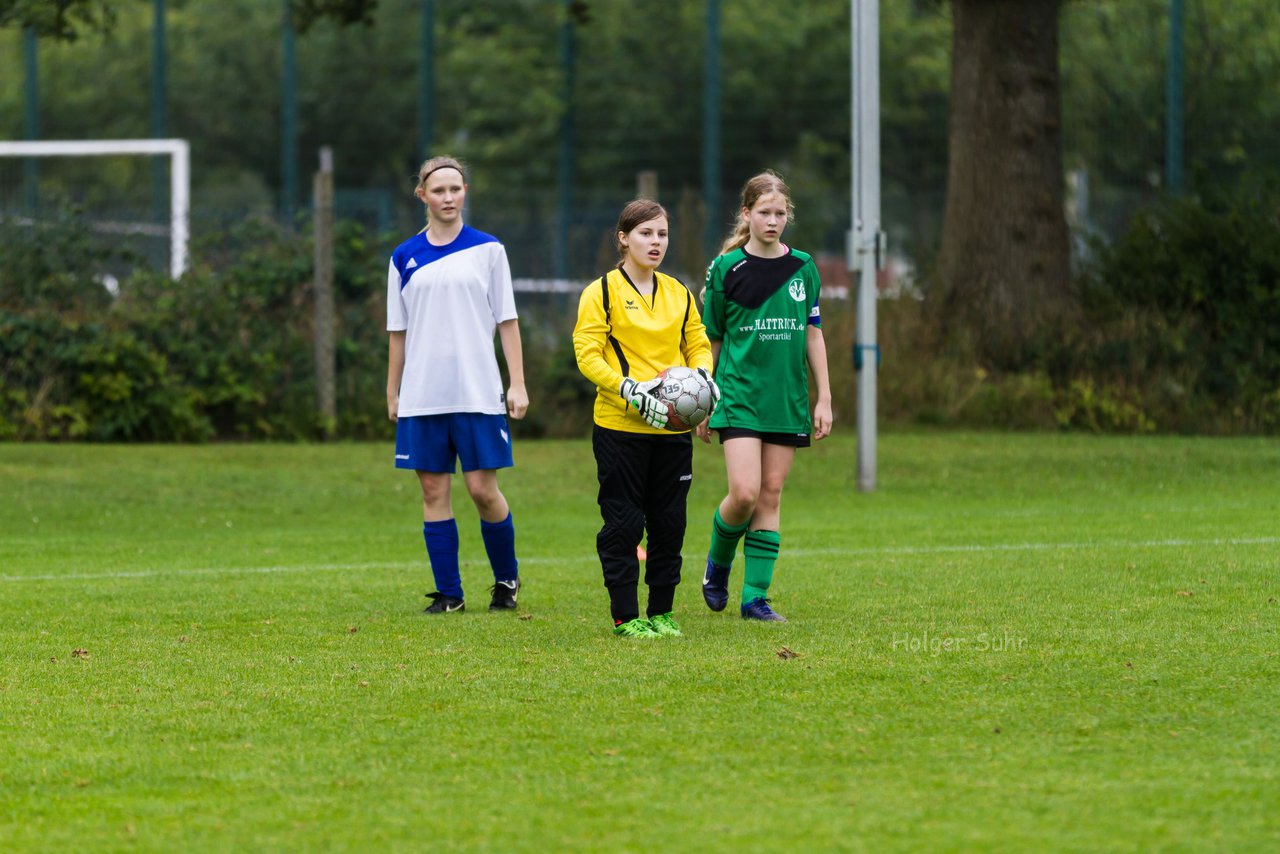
(1004, 264)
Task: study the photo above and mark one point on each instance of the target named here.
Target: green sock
(724, 540)
(761, 551)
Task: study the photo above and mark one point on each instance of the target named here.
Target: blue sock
(442, 551)
(500, 544)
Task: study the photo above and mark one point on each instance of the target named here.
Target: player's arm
(696, 346)
(397, 323)
(513, 354)
(590, 337)
(703, 430)
(816, 352)
(697, 355)
(395, 372)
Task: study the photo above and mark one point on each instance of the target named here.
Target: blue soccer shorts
(435, 442)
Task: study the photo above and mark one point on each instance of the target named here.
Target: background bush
(223, 353)
(1175, 331)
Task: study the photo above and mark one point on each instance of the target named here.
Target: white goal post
(179, 153)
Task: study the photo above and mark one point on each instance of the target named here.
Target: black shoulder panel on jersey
(623, 366)
(752, 280)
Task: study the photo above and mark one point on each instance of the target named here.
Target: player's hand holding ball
(640, 395)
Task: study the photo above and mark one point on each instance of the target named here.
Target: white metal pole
(179, 207)
(866, 242)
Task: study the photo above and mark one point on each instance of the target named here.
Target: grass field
(1017, 642)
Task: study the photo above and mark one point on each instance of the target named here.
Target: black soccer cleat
(442, 604)
(504, 595)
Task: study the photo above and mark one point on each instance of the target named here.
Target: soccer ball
(687, 396)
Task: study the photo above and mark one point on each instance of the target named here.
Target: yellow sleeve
(696, 347)
(591, 336)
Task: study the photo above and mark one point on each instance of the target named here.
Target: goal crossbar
(179, 153)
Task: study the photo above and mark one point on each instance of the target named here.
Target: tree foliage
(66, 20)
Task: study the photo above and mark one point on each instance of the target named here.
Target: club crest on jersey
(796, 288)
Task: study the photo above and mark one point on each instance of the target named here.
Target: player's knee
(435, 492)
(668, 526)
(770, 497)
(488, 500)
(742, 498)
(622, 524)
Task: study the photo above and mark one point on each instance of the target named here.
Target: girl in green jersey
(762, 317)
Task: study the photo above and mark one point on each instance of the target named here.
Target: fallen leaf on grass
(78, 652)
(351, 630)
(525, 617)
(1185, 593)
(787, 652)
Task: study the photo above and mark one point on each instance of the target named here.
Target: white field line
(882, 551)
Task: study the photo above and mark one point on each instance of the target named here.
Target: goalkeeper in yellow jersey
(633, 323)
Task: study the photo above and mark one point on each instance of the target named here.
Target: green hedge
(1176, 331)
(216, 355)
(1183, 311)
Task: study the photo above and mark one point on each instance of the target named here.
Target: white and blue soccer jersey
(448, 300)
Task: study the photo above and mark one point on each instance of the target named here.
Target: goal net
(113, 181)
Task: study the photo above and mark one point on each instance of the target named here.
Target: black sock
(623, 603)
(661, 599)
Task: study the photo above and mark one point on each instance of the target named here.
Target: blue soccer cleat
(715, 586)
(758, 609)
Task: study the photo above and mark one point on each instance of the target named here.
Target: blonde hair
(432, 164)
(763, 184)
(636, 212)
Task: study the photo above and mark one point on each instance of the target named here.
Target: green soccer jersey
(759, 310)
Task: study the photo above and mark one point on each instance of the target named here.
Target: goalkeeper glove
(715, 389)
(652, 410)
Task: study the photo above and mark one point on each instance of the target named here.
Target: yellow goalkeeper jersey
(620, 334)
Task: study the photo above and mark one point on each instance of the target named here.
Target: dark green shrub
(219, 354)
(1184, 306)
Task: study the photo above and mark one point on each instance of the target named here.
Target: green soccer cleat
(664, 625)
(637, 628)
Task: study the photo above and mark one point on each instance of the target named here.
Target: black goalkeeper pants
(644, 484)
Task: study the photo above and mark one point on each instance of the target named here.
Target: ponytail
(759, 185)
(738, 237)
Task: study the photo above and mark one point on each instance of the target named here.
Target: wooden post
(322, 193)
(647, 185)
